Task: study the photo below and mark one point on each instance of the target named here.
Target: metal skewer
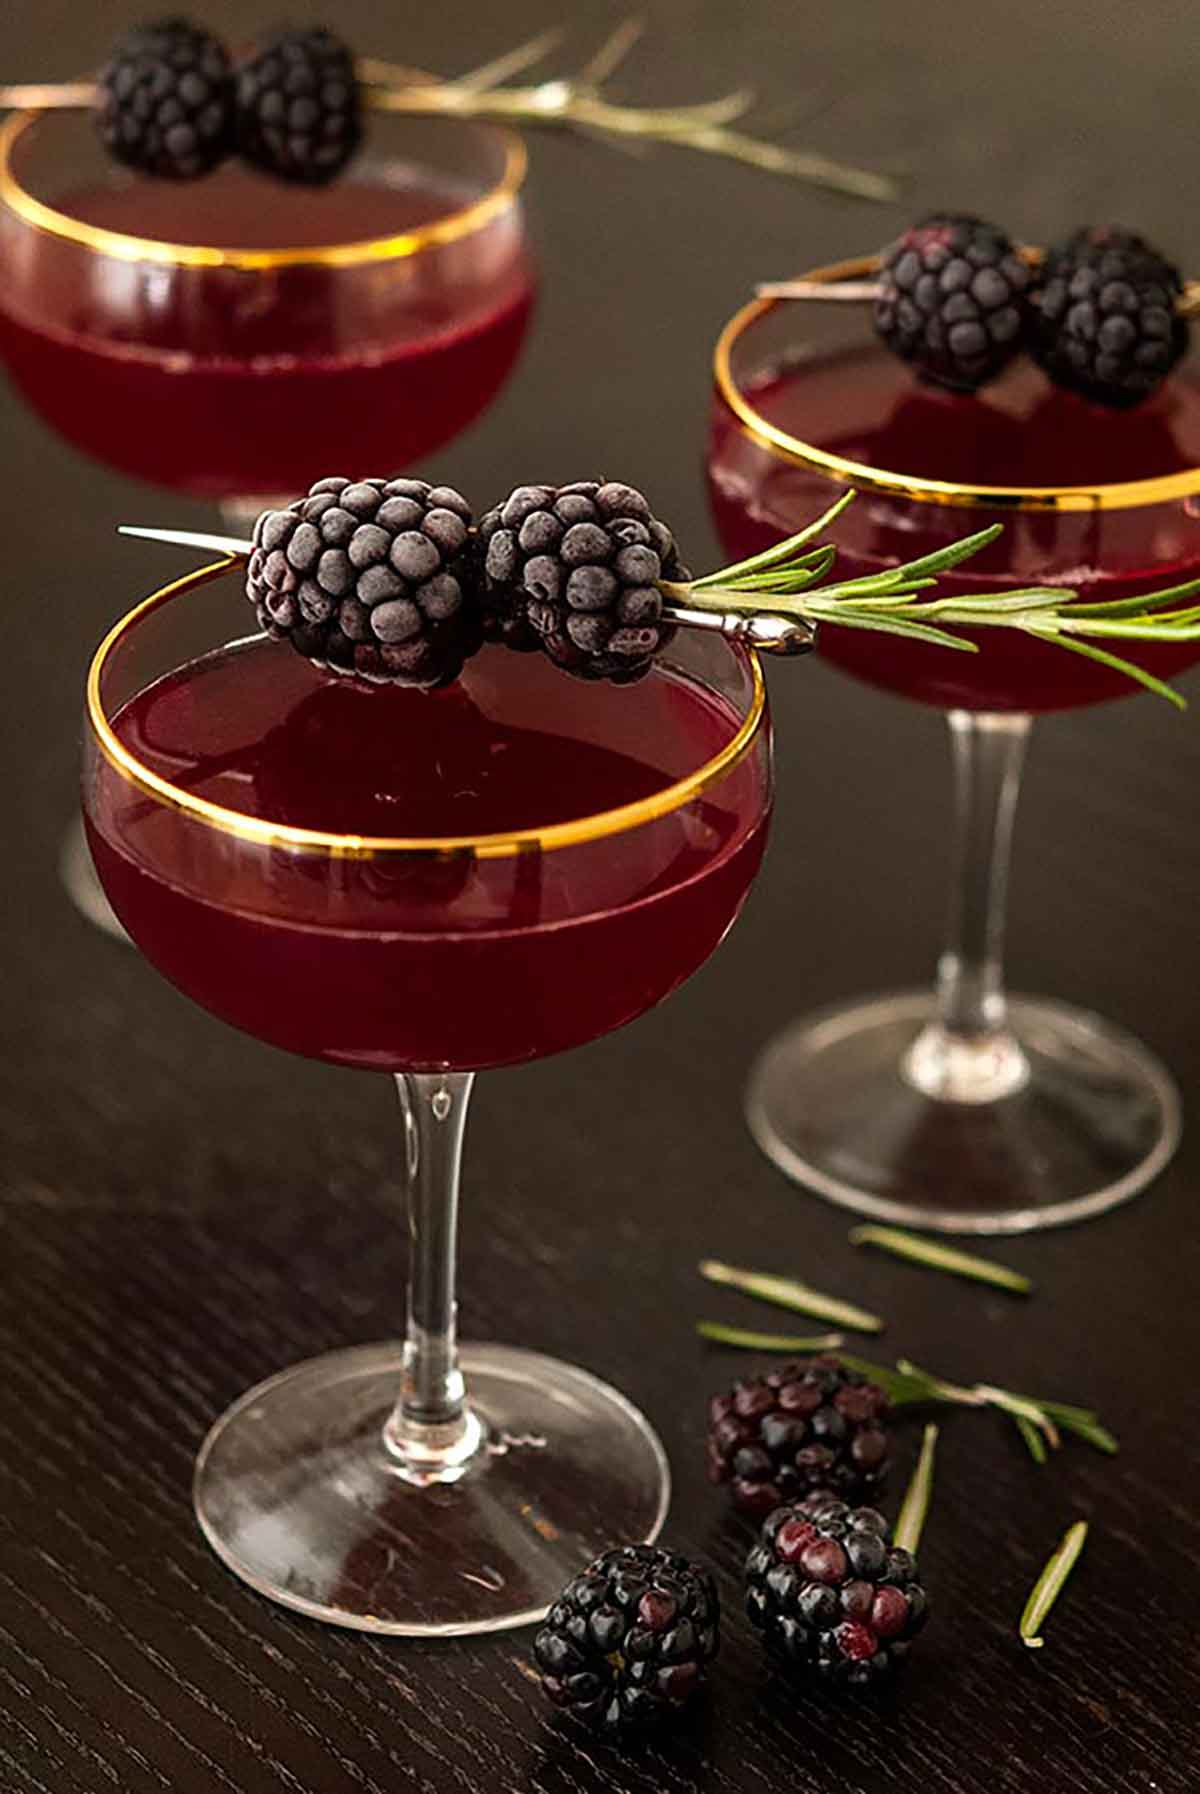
(42, 96)
(765, 631)
(865, 292)
(849, 292)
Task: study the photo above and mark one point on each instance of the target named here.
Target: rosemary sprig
(767, 1342)
(1041, 1424)
(579, 103)
(940, 1258)
(915, 1506)
(789, 1292)
(785, 579)
(1049, 1585)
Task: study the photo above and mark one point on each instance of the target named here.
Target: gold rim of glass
(1116, 495)
(340, 846)
(25, 205)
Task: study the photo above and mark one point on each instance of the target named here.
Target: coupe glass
(235, 338)
(411, 1487)
(960, 1109)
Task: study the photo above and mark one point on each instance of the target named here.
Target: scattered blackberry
(830, 1593)
(953, 300)
(366, 576)
(299, 107)
(627, 1640)
(1105, 323)
(165, 100)
(809, 1426)
(577, 566)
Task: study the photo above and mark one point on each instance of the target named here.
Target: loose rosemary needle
(915, 1506)
(941, 1258)
(1049, 1585)
(789, 1292)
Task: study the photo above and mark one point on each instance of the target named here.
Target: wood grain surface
(183, 1211)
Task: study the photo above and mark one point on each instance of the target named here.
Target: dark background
(183, 1210)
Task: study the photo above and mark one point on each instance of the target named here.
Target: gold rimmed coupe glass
(231, 797)
(960, 1109)
(236, 338)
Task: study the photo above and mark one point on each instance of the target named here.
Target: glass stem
(966, 1053)
(432, 1432)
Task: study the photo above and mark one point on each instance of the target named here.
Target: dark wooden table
(184, 1210)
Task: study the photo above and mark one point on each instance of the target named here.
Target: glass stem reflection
(431, 1431)
(967, 1053)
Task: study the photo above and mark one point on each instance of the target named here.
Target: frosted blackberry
(831, 1595)
(626, 1642)
(299, 107)
(165, 100)
(953, 300)
(577, 568)
(808, 1426)
(1105, 323)
(367, 577)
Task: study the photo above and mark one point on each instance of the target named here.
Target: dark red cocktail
(955, 1109)
(235, 336)
(412, 961)
(424, 883)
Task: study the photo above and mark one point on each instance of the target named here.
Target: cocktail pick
(575, 102)
(866, 292)
(774, 601)
(764, 632)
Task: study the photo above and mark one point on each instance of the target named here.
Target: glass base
(1085, 1118)
(82, 886)
(298, 1494)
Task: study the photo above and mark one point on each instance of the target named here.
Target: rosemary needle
(941, 1258)
(915, 1505)
(1049, 1585)
(766, 1342)
(789, 1292)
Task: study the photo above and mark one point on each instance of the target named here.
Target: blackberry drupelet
(299, 107)
(577, 567)
(953, 300)
(626, 1642)
(165, 102)
(830, 1593)
(502, 615)
(1105, 324)
(369, 577)
(812, 1425)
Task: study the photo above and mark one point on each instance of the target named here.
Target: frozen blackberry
(1105, 322)
(165, 100)
(953, 300)
(830, 1593)
(627, 1640)
(299, 108)
(369, 577)
(578, 567)
(812, 1425)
